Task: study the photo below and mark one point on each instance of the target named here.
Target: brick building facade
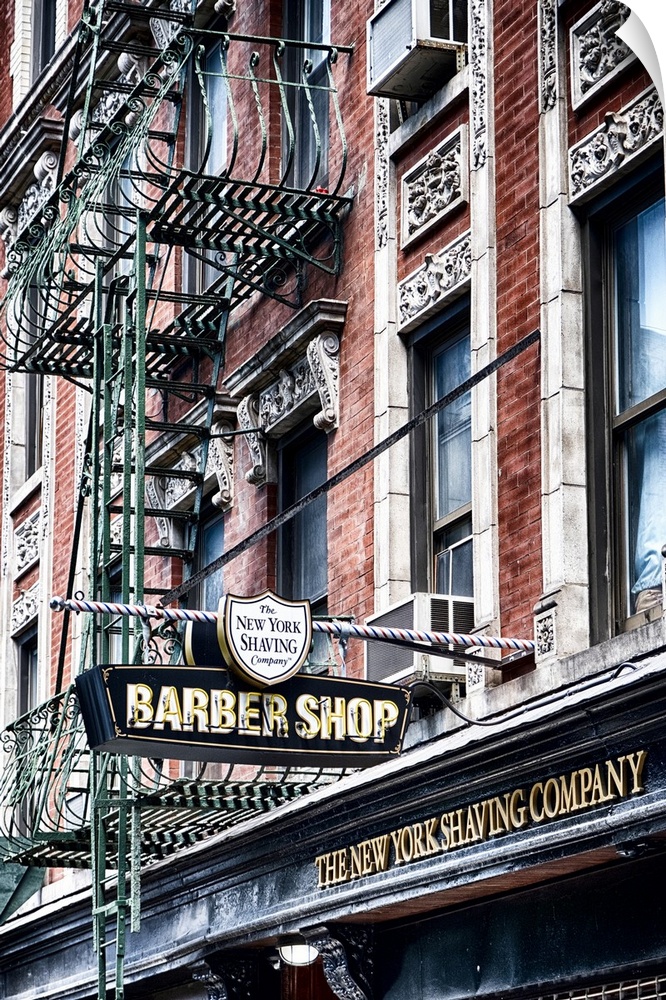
(233, 265)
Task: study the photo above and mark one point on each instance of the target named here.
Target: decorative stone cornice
(624, 138)
(442, 277)
(478, 53)
(27, 543)
(39, 192)
(221, 463)
(435, 186)
(25, 609)
(548, 59)
(324, 359)
(597, 54)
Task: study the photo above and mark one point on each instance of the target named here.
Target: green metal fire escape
(95, 297)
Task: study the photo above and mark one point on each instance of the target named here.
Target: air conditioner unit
(415, 46)
(427, 613)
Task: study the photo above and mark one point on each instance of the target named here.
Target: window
(441, 457)
(626, 397)
(210, 545)
(307, 147)
(44, 27)
(302, 544)
(28, 679)
(451, 471)
(638, 320)
(33, 391)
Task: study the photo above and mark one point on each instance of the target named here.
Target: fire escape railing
(92, 298)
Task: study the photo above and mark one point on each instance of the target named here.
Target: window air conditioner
(415, 46)
(427, 613)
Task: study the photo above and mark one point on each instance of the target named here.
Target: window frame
(45, 29)
(424, 343)
(607, 516)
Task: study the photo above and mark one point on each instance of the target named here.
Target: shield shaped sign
(265, 638)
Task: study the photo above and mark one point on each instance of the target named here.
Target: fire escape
(95, 297)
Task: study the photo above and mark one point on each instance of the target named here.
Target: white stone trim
(597, 54)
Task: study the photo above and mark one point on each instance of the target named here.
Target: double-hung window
(638, 320)
(44, 34)
(451, 470)
(305, 135)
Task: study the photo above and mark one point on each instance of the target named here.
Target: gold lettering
(502, 813)
(395, 837)
(333, 717)
(407, 843)
(195, 708)
(325, 869)
(380, 851)
(139, 705)
(168, 709)
(518, 813)
(585, 786)
(456, 827)
(343, 870)
(308, 728)
(419, 849)
(368, 867)
(356, 857)
(274, 715)
(551, 798)
(481, 812)
(432, 844)
(471, 833)
(536, 813)
(385, 715)
(222, 710)
(249, 712)
(568, 794)
(619, 780)
(359, 719)
(598, 792)
(637, 769)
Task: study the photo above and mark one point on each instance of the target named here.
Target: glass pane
(640, 266)
(453, 560)
(217, 102)
(645, 462)
(310, 551)
(212, 546)
(453, 449)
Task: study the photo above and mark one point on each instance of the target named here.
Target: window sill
(413, 129)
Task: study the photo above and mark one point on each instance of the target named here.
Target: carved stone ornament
(597, 54)
(548, 70)
(13, 220)
(27, 542)
(443, 276)
(248, 420)
(324, 358)
(544, 635)
(164, 31)
(624, 137)
(435, 186)
(336, 964)
(381, 172)
(221, 462)
(131, 70)
(293, 387)
(478, 54)
(177, 487)
(25, 609)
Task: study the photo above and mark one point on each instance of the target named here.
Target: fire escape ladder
(92, 298)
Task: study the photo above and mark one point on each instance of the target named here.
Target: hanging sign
(209, 714)
(265, 639)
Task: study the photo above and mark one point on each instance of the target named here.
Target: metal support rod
(332, 627)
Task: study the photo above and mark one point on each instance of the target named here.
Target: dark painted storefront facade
(522, 857)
